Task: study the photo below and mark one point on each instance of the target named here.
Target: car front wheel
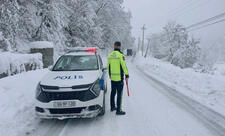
(103, 107)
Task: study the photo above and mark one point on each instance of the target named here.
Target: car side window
(100, 61)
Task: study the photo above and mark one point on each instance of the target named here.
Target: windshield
(76, 63)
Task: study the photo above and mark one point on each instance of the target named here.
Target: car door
(104, 72)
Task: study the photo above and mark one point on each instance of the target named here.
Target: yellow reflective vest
(116, 66)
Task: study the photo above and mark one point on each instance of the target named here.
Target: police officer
(116, 68)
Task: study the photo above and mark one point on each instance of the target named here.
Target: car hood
(69, 78)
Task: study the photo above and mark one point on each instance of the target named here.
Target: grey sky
(155, 14)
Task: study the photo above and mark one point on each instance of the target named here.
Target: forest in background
(66, 23)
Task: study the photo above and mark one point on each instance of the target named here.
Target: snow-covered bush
(211, 55)
(13, 63)
(206, 62)
(187, 55)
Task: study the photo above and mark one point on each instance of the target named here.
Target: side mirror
(104, 69)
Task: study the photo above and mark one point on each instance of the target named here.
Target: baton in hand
(128, 92)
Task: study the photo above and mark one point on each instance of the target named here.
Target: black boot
(120, 113)
(113, 109)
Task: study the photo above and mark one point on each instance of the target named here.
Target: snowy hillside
(17, 100)
(208, 89)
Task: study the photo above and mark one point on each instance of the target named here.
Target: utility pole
(143, 38)
(139, 43)
(146, 53)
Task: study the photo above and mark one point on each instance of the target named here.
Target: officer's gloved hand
(126, 79)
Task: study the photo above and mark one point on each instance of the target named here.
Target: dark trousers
(117, 88)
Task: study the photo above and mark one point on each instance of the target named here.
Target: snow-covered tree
(82, 29)
(176, 36)
(115, 23)
(174, 45)
(187, 55)
(4, 44)
(8, 20)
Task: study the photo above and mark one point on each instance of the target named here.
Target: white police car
(74, 88)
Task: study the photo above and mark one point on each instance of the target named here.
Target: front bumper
(85, 113)
(88, 109)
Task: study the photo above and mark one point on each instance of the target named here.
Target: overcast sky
(155, 14)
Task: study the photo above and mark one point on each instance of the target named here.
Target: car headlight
(38, 90)
(96, 88)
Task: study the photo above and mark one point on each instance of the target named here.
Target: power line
(202, 24)
(143, 38)
(219, 21)
(191, 3)
(206, 21)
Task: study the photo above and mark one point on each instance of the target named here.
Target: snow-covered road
(150, 112)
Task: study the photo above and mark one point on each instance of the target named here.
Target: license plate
(64, 104)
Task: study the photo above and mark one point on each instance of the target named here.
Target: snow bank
(41, 45)
(208, 89)
(17, 95)
(219, 69)
(14, 63)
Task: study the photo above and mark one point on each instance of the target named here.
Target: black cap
(117, 43)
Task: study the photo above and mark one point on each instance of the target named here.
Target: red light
(91, 49)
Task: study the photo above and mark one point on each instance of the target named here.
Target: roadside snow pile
(208, 89)
(17, 102)
(219, 69)
(14, 63)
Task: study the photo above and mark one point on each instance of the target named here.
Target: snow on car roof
(81, 53)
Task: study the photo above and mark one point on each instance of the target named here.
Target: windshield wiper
(76, 70)
(59, 70)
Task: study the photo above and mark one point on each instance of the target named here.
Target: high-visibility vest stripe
(115, 62)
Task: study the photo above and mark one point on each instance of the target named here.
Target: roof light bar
(91, 49)
(82, 49)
